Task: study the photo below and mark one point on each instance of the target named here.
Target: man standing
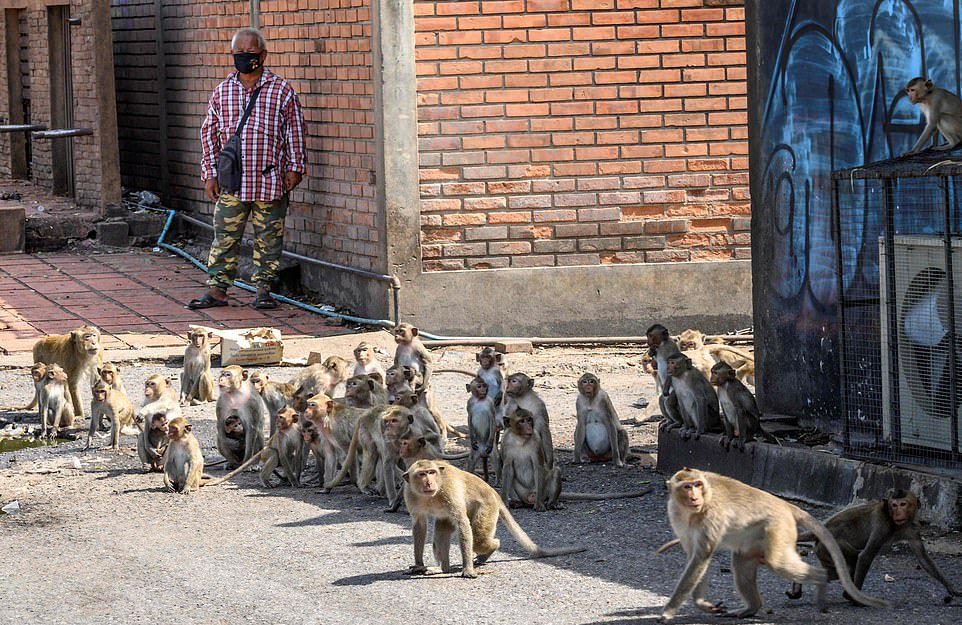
(272, 159)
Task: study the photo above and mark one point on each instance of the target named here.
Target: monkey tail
(668, 545)
(458, 456)
(254, 458)
(470, 374)
(348, 460)
(841, 567)
(603, 496)
(525, 541)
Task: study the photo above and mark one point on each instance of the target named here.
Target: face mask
(247, 62)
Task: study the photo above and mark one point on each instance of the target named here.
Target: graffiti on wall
(833, 98)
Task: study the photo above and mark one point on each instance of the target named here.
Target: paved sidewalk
(136, 298)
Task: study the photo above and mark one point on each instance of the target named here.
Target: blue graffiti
(836, 100)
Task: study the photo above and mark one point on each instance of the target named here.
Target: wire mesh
(899, 258)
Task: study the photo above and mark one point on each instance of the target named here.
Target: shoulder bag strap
(247, 111)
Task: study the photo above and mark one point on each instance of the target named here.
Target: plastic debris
(11, 508)
(75, 462)
(889, 578)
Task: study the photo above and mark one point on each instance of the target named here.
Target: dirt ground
(99, 541)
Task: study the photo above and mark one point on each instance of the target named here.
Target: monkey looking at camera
(943, 113)
(365, 360)
(159, 397)
(599, 435)
(863, 530)
(411, 352)
(519, 393)
(196, 381)
(79, 353)
(741, 417)
(708, 512)
(112, 404)
(526, 476)
(238, 398)
(490, 370)
(462, 502)
(482, 426)
(184, 464)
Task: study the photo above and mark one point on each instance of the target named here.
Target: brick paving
(136, 298)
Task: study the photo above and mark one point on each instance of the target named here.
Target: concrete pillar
(396, 138)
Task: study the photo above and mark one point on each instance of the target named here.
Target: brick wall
(323, 47)
(88, 168)
(138, 94)
(574, 132)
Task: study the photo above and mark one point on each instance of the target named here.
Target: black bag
(229, 167)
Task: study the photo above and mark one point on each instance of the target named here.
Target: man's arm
(210, 142)
(294, 136)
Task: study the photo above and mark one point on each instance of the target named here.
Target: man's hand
(291, 180)
(212, 189)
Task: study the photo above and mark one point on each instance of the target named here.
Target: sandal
(264, 302)
(207, 301)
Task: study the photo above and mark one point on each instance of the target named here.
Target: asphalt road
(106, 544)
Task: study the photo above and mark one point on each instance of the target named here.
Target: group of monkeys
(381, 426)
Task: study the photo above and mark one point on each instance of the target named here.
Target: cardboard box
(248, 346)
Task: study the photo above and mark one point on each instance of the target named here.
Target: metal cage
(897, 228)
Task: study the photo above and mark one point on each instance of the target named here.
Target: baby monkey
(863, 530)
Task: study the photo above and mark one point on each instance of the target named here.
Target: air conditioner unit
(919, 307)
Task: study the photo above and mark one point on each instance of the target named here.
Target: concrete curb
(813, 476)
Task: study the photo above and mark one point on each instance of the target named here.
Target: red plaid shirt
(272, 141)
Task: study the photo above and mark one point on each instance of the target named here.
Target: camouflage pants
(230, 219)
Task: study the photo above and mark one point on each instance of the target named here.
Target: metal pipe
(63, 133)
(314, 261)
(570, 340)
(9, 128)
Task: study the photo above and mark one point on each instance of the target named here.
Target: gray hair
(249, 32)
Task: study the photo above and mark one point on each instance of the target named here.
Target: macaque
(37, 372)
(425, 419)
(235, 439)
(705, 355)
(286, 450)
(708, 512)
(942, 110)
(490, 370)
(79, 353)
(113, 404)
(526, 477)
(364, 391)
(110, 373)
(741, 417)
(519, 392)
(661, 347)
(369, 436)
(599, 435)
(412, 447)
(184, 464)
(365, 359)
(461, 501)
(314, 443)
(196, 381)
(336, 423)
(159, 397)
(482, 425)
(276, 395)
(238, 398)
(398, 379)
(152, 441)
(327, 377)
(697, 401)
(55, 406)
(410, 351)
(863, 530)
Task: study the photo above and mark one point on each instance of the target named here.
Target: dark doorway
(61, 97)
